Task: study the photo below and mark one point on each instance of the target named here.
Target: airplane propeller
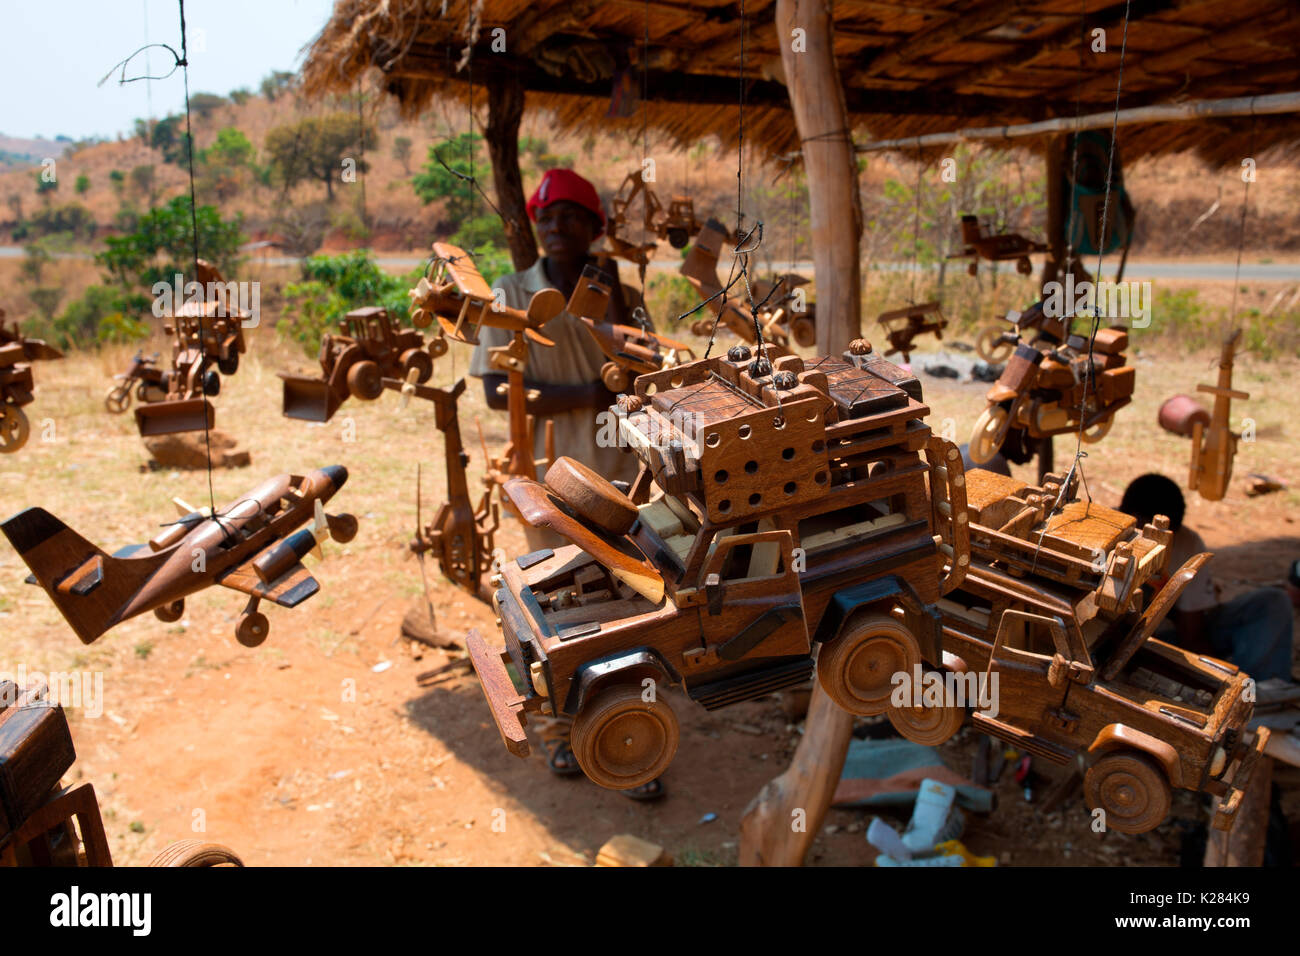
(186, 509)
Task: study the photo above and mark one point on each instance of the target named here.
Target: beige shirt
(575, 359)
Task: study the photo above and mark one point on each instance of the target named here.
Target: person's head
(568, 214)
(1150, 495)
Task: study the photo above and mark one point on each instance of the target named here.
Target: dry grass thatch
(908, 68)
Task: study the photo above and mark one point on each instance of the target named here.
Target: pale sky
(53, 52)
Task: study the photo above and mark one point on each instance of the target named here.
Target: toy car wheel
(170, 613)
(614, 378)
(804, 332)
(195, 853)
(211, 383)
(989, 347)
(678, 237)
(251, 630)
(230, 364)
(928, 726)
(1098, 431)
(420, 360)
(1132, 790)
(437, 346)
(118, 399)
(365, 380)
(984, 441)
(14, 428)
(857, 668)
(622, 741)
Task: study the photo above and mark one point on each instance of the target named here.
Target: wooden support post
(817, 98)
(781, 822)
(505, 109)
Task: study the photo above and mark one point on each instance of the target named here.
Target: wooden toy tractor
(16, 384)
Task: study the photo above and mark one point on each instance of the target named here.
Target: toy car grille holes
(751, 467)
(820, 477)
(788, 454)
(755, 499)
(712, 439)
(818, 446)
(813, 415)
(724, 505)
(744, 431)
(721, 476)
(790, 487)
(651, 388)
(676, 381)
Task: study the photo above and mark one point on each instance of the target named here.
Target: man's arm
(1190, 626)
(551, 399)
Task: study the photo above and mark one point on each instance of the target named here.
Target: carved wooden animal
(252, 546)
(368, 348)
(17, 352)
(1214, 443)
(996, 248)
(691, 578)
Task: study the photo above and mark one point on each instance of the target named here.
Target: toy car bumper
(1226, 812)
(506, 703)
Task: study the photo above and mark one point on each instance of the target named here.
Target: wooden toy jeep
(368, 348)
(1052, 604)
(779, 507)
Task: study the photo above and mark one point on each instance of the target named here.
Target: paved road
(1254, 271)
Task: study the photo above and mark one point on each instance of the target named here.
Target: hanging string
(1241, 233)
(916, 227)
(645, 144)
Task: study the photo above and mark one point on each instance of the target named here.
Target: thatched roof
(908, 68)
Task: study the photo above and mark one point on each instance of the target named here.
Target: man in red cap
(566, 378)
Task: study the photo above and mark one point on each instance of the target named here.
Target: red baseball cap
(561, 184)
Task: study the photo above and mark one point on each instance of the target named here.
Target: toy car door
(1027, 690)
(753, 604)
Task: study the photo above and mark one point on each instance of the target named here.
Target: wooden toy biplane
(1001, 247)
(631, 351)
(368, 348)
(784, 312)
(17, 352)
(37, 813)
(204, 334)
(143, 377)
(252, 546)
(1214, 443)
(1050, 390)
(903, 325)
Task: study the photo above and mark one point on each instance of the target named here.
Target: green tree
(117, 179)
(439, 180)
(223, 165)
(332, 286)
(162, 245)
(316, 148)
(45, 187)
(169, 138)
(402, 152)
(205, 104)
(240, 96)
(142, 181)
(277, 82)
(82, 185)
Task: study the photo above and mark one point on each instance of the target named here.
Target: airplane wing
(463, 272)
(288, 590)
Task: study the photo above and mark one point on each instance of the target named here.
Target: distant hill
(19, 153)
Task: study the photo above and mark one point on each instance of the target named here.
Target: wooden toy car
(1214, 444)
(1046, 390)
(995, 248)
(143, 375)
(37, 813)
(17, 352)
(1052, 605)
(676, 225)
(903, 325)
(779, 507)
(368, 348)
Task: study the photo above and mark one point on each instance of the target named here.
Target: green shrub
(333, 286)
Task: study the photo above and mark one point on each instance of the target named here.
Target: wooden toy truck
(694, 579)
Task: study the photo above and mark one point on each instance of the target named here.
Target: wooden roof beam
(969, 22)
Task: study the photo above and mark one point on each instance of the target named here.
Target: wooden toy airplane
(631, 351)
(1214, 443)
(251, 546)
(996, 248)
(904, 325)
(16, 387)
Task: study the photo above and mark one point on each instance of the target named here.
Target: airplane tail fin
(87, 586)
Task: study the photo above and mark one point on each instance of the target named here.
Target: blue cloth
(1254, 631)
